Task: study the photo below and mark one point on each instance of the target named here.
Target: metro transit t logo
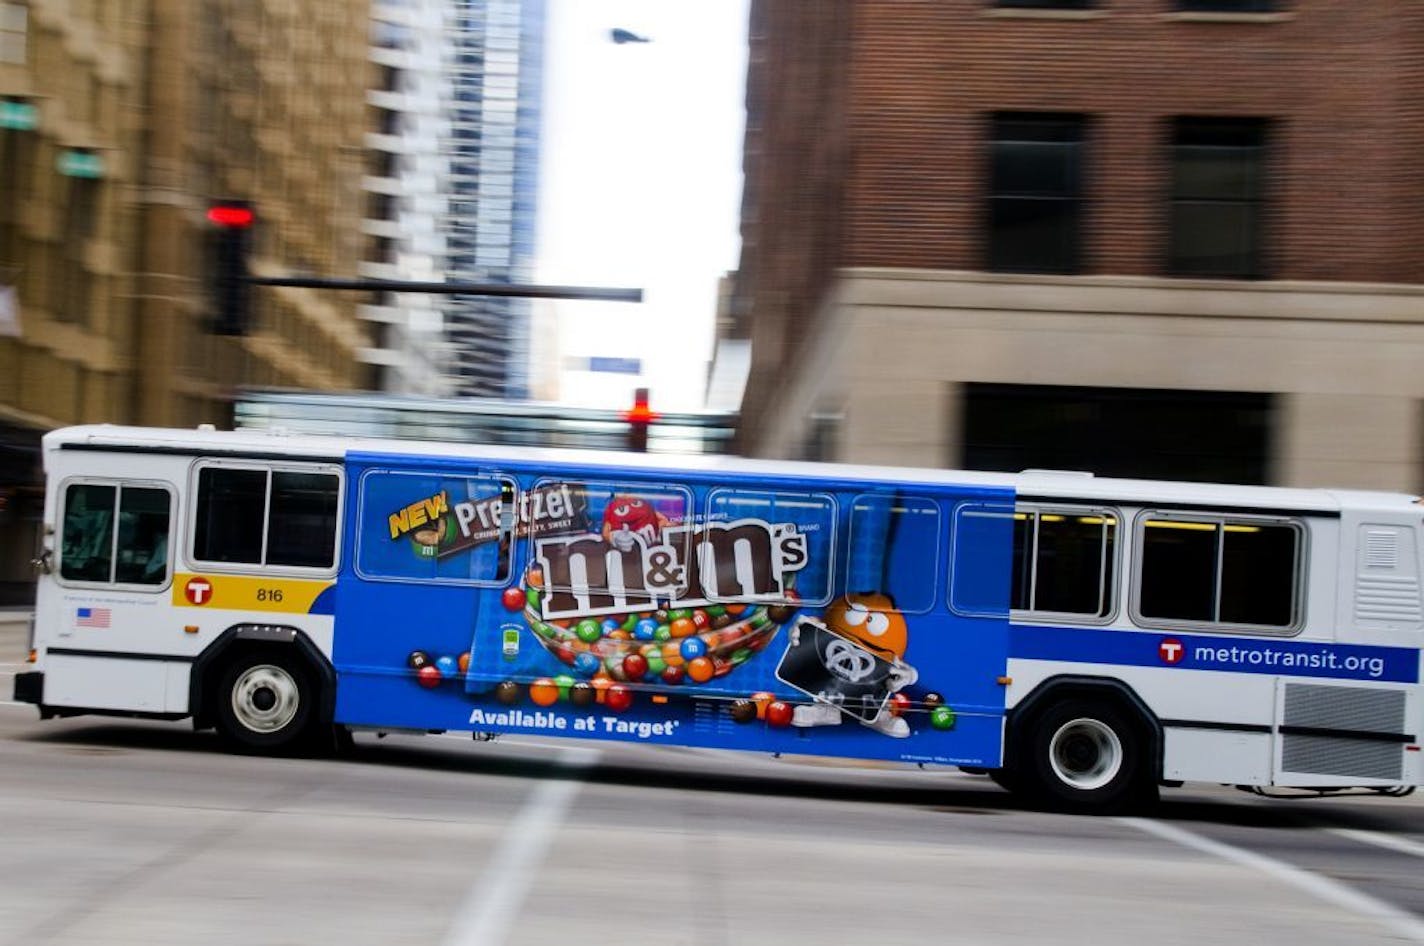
(198, 590)
(1171, 650)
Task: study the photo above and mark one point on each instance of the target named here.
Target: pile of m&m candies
(668, 645)
(778, 713)
(941, 716)
(765, 707)
(546, 691)
(430, 672)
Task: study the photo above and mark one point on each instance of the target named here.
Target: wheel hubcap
(265, 698)
(1085, 753)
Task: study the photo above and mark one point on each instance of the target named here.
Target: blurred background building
(120, 122)
(1165, 238)
(495, 119)
(407, 182)
(452, 183)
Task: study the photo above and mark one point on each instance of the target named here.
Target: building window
(1227, 6)
(380, 206)
(1218, 168)
(382, 164)
(1035, 193)
(71, 282)
(13, 28)
(1045, 4)
(16, 155)
(1203, 436)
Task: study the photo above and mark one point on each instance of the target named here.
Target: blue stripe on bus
(1201, 652)
(325, 602)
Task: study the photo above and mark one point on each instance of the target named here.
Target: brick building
(1172, 238)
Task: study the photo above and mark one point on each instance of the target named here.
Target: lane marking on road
(1401, 922)
(490, 908)
(1379, 839)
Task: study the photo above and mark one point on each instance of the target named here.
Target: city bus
(1080, 639)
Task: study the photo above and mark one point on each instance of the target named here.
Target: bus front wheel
(1089, 756)
(265, 702)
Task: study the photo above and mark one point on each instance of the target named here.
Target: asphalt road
(118, 832)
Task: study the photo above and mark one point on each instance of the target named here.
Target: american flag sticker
(92, 617)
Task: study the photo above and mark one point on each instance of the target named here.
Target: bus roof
(1036, 484)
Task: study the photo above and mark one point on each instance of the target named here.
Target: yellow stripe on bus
(246, 593)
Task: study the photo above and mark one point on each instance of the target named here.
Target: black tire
(1008, 780)
(1088, 756)
(266, 702)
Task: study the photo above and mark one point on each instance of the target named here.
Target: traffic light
(232, 222)
(639, 416)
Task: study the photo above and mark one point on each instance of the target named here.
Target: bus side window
(980, 559)
(231, 510)
(1064, 561)
(265, 517)
(302, 523)
(94, 550)
(739, 520)
(87, 547)
(435, 526)
(586, 535)
(143, 536)
(1210, 569)
(894, 550)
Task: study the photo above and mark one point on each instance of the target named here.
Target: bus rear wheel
(1089, 756)
(265, 702)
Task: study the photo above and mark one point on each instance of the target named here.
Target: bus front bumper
(29, 686)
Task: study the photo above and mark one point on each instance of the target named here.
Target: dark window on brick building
(1035, 193)
(1227, 6)
(71, 280)
(1202, 436)
(1216, 202)
(1045, 4)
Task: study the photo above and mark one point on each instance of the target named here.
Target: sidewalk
(14, 635)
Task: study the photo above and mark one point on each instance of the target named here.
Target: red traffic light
(640, 412)
(231, 215)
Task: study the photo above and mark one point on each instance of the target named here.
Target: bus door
(974, 637)
(112, 564)
(943, 644)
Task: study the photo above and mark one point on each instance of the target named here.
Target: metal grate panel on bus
(1387, 587)
(1353, 708)
(1348, 758)
(1387, 599)
(1381, 549)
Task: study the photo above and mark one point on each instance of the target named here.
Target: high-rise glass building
(452, 185)
(496, 77)
(406, 185)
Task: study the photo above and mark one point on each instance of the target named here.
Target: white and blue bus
(1081, 638)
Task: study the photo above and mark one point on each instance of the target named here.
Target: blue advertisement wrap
(1231, 654)
(734, 612)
